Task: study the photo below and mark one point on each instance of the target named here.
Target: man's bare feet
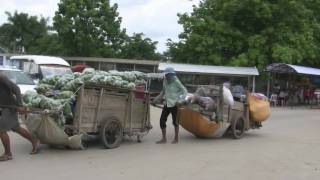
(162, 141)
(5, 157)
(175, 141)
(35, 145)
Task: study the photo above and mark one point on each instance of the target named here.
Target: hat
(169, 70)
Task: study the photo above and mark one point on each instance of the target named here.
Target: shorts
(9, 120)
(164, 116)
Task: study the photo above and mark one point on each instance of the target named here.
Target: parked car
(79, 67)
(39, 67)
(24, 82)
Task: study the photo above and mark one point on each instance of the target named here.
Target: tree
(249, 33)
(49, 44)
(89, 28)
(137, 47)
(22, 30)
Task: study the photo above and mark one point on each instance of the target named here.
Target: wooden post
(249, 86)
(193, 79)
(96, 119)
(220, 106)
(253, 83)
(147, 110)
(268, 84)
(81, 107)
(131, 111)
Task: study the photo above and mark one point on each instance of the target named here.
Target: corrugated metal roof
(106, 60)
(213, 70)
(113, 60)
(289, 68)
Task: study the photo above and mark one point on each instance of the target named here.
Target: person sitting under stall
(283, 95)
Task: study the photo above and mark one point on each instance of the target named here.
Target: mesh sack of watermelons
(44, 128)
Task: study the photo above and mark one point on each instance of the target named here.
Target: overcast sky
(157, 19)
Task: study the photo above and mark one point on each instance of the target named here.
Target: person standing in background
(306, 95)
(276, 89)
(283, 97)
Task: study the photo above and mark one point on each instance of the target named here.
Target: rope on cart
(70, 97)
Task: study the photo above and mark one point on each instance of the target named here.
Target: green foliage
(93, 28)
(81, 28)
(49, 44)
(22, 30)
(249, 33)
(138, 47)
(89, 28)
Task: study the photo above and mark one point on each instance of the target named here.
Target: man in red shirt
(306, 95)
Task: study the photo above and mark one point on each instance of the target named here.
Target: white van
(39, 67)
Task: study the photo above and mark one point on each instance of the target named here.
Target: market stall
(302, 83)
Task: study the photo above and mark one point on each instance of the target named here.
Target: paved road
(287, 147)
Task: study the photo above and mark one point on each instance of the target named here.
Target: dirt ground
(287, 147)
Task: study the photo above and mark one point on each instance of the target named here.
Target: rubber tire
(105, 125)
(234, 127)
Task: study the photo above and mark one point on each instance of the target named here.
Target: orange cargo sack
(259, 108)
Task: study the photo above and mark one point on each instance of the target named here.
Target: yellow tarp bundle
(196, 123)
(259, 109)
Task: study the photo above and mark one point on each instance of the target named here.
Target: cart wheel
(111, 133)
(238, 127)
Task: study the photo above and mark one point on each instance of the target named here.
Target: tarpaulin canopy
(289, 68)
(211, 70)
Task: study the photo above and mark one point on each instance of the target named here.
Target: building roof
(113, 60)
(42, 59)
(106, 60)
(211, 70)
(289, 68)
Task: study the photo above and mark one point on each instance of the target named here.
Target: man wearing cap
(11, 104)
(170, 94)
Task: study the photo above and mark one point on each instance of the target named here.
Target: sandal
(5, 158)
